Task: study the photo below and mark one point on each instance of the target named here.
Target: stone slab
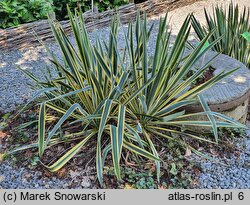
(230, 88)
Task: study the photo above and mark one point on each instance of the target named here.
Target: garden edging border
(231, 95)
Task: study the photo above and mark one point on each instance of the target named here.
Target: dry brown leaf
(161, 187)
(47, 173)
(29, 154)
(67, 133)
(188, 152)
(62, 172)
(1, 178)
(1, 157)
(213, 151)
(153, 168)
(128, 186)
(2, 134)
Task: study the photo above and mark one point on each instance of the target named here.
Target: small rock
(1, 178)
(85, 182)
(248, 145)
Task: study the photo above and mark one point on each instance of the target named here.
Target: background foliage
(60, 6)
(15, 12)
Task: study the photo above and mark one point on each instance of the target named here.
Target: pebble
(85, 182)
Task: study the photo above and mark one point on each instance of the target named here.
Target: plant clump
(232, 27)
(120, 102)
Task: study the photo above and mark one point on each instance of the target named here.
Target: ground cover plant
(233, 26)
(120, 101)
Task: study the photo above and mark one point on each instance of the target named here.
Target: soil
(207, 75)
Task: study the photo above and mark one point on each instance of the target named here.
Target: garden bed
(229, 169)
(180, 168)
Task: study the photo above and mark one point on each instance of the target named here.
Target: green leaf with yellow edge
(210, 116)
(205, 46)
(66, 157)
(41, 129)
(99, 163)
(135, 149)
(116, 134)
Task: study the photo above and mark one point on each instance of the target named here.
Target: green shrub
(60, 6)
(122, 101)
(15, 12)
(228, 24)
(104, 5)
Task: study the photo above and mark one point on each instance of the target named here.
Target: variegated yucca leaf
(232, 25)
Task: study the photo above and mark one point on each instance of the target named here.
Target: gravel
(234, 173)
(13, 83)
(14, 91)
(24, 178)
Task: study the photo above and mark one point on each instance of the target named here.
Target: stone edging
(229, 93)
(220, 107)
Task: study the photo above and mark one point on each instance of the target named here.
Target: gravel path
(14, 91)
(237, 175)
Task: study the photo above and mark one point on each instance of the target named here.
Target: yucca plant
(232, 25)
(123, 99)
